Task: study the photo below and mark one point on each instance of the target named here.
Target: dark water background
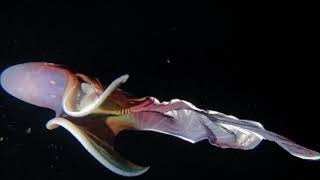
(254, 60)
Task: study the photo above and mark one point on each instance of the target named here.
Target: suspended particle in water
(28, 130)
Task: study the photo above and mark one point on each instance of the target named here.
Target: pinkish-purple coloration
(95, 115)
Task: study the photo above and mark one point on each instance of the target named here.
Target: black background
(255, 60)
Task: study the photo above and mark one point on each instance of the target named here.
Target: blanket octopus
(94, 115)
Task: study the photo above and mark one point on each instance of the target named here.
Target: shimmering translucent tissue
(40, 84)
(95, 115)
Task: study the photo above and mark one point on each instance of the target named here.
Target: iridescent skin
(40, 84)
(95, 116)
